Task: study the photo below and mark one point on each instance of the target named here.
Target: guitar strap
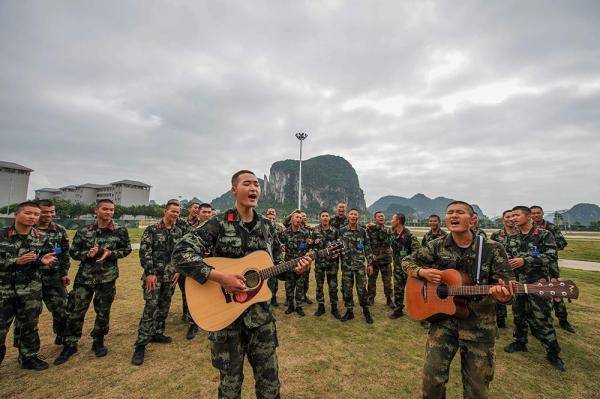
(263, 227)
(479, 258)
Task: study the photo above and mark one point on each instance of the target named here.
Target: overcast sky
(497, 103)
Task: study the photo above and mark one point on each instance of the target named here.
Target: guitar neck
(469, 290)
(290, 264)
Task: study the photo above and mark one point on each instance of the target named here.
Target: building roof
(12, 165)
(49, 190)
(69, 187)
(131, 183)
(91, 185)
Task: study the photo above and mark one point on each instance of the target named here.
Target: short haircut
(45, 202)
(469, 206)
(25, 204)
(506, 211)
(103, 201)
(323, 211)
(238, 173)
(401, 218)
(191, 204)
(353, 209)
(536, 207)
(522, 208)
(172, 202)
(433, 215)
(341, 202)
(375, 214)
(297, 211)
(205, 205)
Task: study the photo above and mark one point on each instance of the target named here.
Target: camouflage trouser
(501, 312)
(228, 348)
(156, 311)
(531, 311)
(399, 284)
(331, 271)
(306, 281)
(185, 311)
(386, 276)
(80, 297)
(273, 284)
(25, 305)
(54, 295)
(349, 277)
(560, 309)
(294, 289)
(476, 358)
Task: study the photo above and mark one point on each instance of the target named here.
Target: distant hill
(418, 205)
(581, 213)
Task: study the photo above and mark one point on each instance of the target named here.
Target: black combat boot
(335, 312)
(33, 363)
(300, 312)
(349, 315)
(556, 361)
(67, 351)
(516, 347)
(138, 355)
(565, 325)
(2, 353)
(161, 339)
(274, 301)
(320, 310)
(397, 314)
(98, 347)
(389, 302)
(290, 309)
(367, 314)
(192, 331)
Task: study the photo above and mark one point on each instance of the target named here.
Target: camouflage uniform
(54, 293)
(21, 287)
(325, 267)
(402, 244)
(538, 249)
(273, 282)
(156, 246)
(296, 246)
(476, 335)
(560, 309)
(186, 227)
(430, 236)
(501, 236)
(382, 254)
(253, 333)
(95, 280)
(338, 222)
(354, 265)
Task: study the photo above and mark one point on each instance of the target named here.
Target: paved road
(579, 264)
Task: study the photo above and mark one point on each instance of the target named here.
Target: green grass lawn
(318, 357)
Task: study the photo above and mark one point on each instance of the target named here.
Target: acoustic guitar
(432, 302)
(213, 308)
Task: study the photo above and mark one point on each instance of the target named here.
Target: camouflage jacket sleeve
(500, 267)
(414, 244)
(188, 252)
(146, 252)
(561, 242)
(79, 248)
(64, 261)
(368, 253)
(547, 254)
(276, 247)
(423, 257)
(424, 240)
(123, 247)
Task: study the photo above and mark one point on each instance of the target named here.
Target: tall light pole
(301, 136)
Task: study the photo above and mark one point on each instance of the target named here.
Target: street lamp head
(301, 135)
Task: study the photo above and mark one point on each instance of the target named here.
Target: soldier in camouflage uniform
(98, 247)
(502, 236)
(273, 282)
(54, 277)
(295, 241)
(380, 236)
(560, 309)
(403, 243)
(24, 250)
(434, 230)
(237, 233)
(532, 250)
(476, 335)
(320, 237)
(354, 266)
(158, 280)
(306, 276)
(340, 219)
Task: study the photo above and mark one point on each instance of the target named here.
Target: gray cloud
(494, 103)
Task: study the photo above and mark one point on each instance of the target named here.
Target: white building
(14, 181)
(122, 192)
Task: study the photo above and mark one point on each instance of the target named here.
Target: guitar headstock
(554, 289)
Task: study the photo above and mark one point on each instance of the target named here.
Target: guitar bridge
(226, 294)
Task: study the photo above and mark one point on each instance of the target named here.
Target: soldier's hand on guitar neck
(432, 275)
(502, 292)
(303, 265)
(231, 282)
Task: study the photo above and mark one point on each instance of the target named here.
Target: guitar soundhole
(442, 291)
(252, 279)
